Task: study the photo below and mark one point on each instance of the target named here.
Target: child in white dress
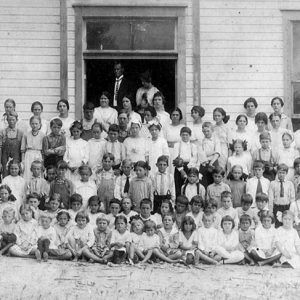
(287, 242)
(7, 228)
(62, 227)
(136, 246)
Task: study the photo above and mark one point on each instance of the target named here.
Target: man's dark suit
(125, 88)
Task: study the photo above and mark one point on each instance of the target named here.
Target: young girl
(7, 200)
(62, 228)
(7, 229)
(169, 238)
(105, 181)
(237, 185)
(95, 209)
(222, 132)
(10, 142)
(188, 239)
(37, 109)
(54, 204)
(261, 121)
(62, 186)
(31, 147)
(34, 201)
(26, 233)
(181, 209)
(77, 151)
(75, 206)
(15, 181)
(240, 157)
(228, 242)
(196, 213)
(166, 207)
(287, 242)
(264, 250)
(120, 240)
(100, 251)
(149, 119)
(37, 184)
(136, 147)
(80, 236)
(288, 154)
(54, 144)
(136, 247)
(185, 156)
(158, 146)
(197, 113)
(141, 186)
(126, 207)
(85, 186)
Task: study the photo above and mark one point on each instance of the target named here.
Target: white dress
(197, 134)
(17, 185)
(77, 152)
(207, 239)
(106, 116)
(136, 148)
(49, 233)
(96, 152)
(243, 160)
(163, 118)
(191, 242)
(86, 190)
(150, 93)
(123, 238)
(84, 235)
(289, 240)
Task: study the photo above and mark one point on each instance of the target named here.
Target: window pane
(296, 51)
(296, 97)
(154, 35)
(108, 35)
(130, 34)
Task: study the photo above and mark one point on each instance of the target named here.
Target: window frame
(85, 12)
(289, 16)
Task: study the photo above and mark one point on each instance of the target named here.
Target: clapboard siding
(30, 54)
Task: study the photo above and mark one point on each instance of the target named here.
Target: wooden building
(208, 52)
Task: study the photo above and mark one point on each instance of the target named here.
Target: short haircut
(97, 124)
(261, 197)
(142, 164)
(226, 194)
(182, 199)
(12, 114)
(31, 195)
(188, 220)
(193, 171)
(227, 219)
(207, 214)
(163, 158)
(265, 136)
(83, 215)
(108, 155)
(76, 198)
(185, 130)
(146, 201)
(218, 170)
(92, 199)
(258, 164)
(114, 128)
(245, 218)
(56, 122)
(88, 106)
(9, 210)
(265, 214)
(207, 125)
(283, 167)
(121, 217)
(169, 215)
(297, 162)
(213, 203)
(197, 199)
(63, 212)
(115, 201)
(149, 224)
(26, 207)
(102, 217)
(62, 165)
(261, 116)
(247, 199)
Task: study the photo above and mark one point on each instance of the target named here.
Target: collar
(120, 78)
(162, 173)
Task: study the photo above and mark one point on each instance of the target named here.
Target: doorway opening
(100, 76)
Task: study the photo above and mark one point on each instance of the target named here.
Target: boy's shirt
(191, 190)
(117, 149)
(207, 239)
(7, 228)
(214, 191)
(119, 191)
(251, 187)
(164, 182)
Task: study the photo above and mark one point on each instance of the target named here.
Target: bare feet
(45, 256)
(38, 255)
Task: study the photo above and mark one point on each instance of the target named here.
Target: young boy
(281, 194)
(62, 186)
(7, 236)
(196, 204)
(76, 205)
(226, 207)
(146, 208)
(181, 209)
(258, 183)
(34, 201)
(114, 209)
(123, 182)
(54, 209)
(88, 120)
(262, 203)
(193, 187)
(246, 209)
(207, 241)
(212, 207)
(215, 189)
(114, 146)
(96, 148)
(246, 237)
(163, 184)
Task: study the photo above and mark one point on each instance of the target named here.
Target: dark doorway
(99, 76)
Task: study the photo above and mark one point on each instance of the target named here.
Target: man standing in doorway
(121, 86)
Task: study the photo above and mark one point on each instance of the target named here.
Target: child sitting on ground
(136, 246)
(7, 228)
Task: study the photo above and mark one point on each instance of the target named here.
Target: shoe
(38, 255)
(45, 256)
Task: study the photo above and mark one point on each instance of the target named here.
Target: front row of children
(180, 238)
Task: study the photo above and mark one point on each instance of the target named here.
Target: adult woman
(277, 105)
(147, 88)
(197, 113)
(128, 107)
(149, 118)
(162, 116)
(63, 107)
(37, 109)
(104, 114)
(250, 105)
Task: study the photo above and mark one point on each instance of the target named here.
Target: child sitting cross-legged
(136, 246)
(100, 251)
(7, 227)
(207, 241)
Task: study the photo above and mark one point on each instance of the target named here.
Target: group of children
(217, 197)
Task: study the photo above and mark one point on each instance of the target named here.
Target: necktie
(259, 187)
(281, 189)
(162, 189)
(126, 186)
(116, 91)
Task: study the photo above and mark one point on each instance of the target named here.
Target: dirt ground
(27, 279)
